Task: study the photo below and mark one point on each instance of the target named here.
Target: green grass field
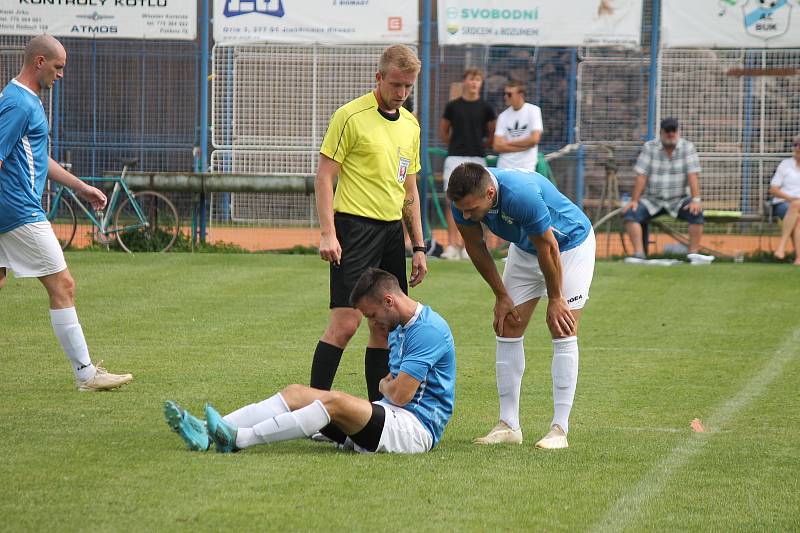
(659, 347)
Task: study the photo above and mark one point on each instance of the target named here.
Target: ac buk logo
(765, 19)
(243, 7)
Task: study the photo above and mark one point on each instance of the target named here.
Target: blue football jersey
(24, 153)
(424, 349)
(529, 204)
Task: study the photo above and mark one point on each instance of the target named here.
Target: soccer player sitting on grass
(418, 391)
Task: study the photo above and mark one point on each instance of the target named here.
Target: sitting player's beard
(669, 144)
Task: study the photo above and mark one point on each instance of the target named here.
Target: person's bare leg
(796, 242)
(61, 292)
(2, 277)
(509, 369)
(309, 410)
(789, 224)
(564, 371)
(634, 230)
(343, 323)
(64, 319)
(695, 235)
(60, 289)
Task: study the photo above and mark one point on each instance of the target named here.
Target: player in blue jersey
(551, 254)
(418, 392)
(28, 245)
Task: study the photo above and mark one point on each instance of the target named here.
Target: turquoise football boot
(222, 433)
(191, 429)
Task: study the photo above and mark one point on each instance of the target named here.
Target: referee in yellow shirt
(372, 145)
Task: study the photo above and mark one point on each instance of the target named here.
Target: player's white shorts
(31, 251)
(402, 432)
(452, 161)
(524, 279)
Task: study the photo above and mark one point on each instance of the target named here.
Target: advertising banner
(541, 23)
(321, 21)
(731, 24)
(128, 19)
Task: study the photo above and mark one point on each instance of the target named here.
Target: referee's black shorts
(365, 243)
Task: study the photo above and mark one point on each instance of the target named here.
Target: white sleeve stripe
(422, 391)
(29, 155)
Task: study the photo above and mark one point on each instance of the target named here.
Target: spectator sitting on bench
(785, 191)
(667, 182)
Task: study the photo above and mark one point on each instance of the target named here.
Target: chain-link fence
(270, 105)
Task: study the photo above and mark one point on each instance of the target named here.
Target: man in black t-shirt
(467, 126)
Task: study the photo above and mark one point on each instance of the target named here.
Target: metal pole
(94, 107)
(572, 126)
(142, 112)
(747, 131)
(55, 94)
(579, 178)
(573, 96)
(653, 81)
(204, 23)
(425, 111)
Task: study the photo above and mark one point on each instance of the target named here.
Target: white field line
(628, 507)
(642, 430)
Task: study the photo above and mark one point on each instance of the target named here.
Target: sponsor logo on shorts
(575, 298)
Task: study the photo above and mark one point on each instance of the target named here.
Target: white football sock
(509, 366)
(250, 415)
(70, 334)
(565, 379)
(295, 425)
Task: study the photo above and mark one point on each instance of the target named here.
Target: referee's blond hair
(400, 57)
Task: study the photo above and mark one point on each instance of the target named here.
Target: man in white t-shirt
(785, 191)
(518, 130)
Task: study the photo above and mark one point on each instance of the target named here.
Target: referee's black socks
(376, 366)
(323, 369)
(324, 365)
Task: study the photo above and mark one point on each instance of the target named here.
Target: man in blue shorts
(551, 254)
(667, 181)
(418, 392)
(28, 245)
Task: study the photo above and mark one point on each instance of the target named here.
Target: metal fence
(120, 99)
(270, 105)
(270, 109)
(127, 99)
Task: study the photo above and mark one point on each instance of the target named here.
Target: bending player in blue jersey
(418, 392)
(551, 254)
(28, 245)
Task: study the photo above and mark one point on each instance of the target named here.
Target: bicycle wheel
(162, 221)
(61, 219)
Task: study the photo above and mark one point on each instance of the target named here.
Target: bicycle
(142, 221)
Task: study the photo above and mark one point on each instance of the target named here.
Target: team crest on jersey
(402, 169)
(273, 8)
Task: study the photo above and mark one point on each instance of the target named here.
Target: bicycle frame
(102, 223)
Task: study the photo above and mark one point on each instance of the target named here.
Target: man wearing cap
(667, 182)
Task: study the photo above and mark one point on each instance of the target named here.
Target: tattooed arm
(412, 218)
